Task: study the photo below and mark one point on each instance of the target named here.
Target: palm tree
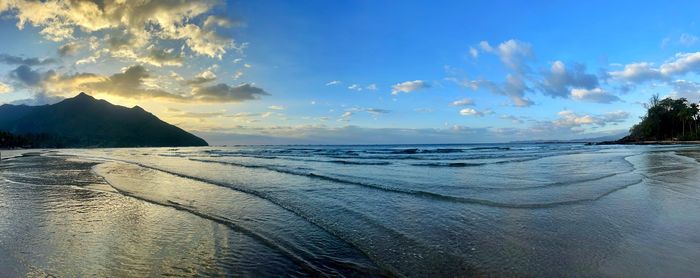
(694, 110)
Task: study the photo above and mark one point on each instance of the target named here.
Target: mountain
(578, 140)
(84, 121)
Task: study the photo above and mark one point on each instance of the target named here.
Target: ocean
(379, 210)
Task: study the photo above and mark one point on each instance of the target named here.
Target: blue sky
(243, 72)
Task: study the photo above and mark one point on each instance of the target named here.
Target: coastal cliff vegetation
(667, 120)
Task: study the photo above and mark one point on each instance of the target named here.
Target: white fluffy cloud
(470, 112)
(409, 86)
(594, 95)
(463, 102)
(637, 73)
(679, 65)
(569, 119)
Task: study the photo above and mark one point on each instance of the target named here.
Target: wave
(448, 164)
(419, 193)
(405, 151)
(317, 265)
(348, 162)
(307, 214)
(473, 164)
(490, 148)
(235, 226)
(421, 151)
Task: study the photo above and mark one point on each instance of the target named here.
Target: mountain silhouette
(84, 121)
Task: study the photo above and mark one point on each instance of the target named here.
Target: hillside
(84, 121)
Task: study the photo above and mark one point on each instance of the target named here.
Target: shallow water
(426, 210)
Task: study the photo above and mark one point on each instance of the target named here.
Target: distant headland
(83, 121)
(667, 121)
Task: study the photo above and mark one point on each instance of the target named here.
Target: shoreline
(656, 142)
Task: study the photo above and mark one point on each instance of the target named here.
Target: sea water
(389, 210)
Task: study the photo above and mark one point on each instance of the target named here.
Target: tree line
(667, 119)
(11, 141)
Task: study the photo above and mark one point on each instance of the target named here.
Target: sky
(358, 72)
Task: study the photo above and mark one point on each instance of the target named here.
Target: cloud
(514, 88)
(203, 77)
(200, 115)
(594, 95)
(637, 73)
(126, 84)
(613, 117)
(485, 46)
(89, 60)
(473, 52)
(176, 76)
(569, 119)
(512, 118)
(377, 111)
(162, 57)
(133, 82)
(350, 134)
(683, 63)
(470, 112)
(559, 80)
(129, 83)
(409, 86)
(355, 87)
(463, 102)
(217, 21)
(679, 65)
(225, 93)
(345, 117)
(332, 83)
(4, 88)
(16, 60)
(68, 49)
(687, 89)
(371, 87)
(39, 98)
(148, 20)
(513, 54)
(26, 76)
(687, 39)
(276, 107)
